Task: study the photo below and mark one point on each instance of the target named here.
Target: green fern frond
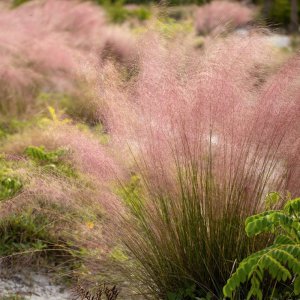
(297, 286)
(292, 207)
(280, 260)
(268, 222)
(283, 239)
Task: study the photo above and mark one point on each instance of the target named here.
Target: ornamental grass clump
(218, 14)
(67, 31)
(61, 174)
(57, 48)
(209, 150)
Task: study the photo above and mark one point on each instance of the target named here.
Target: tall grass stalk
(208, 166)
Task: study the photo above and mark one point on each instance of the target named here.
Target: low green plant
(39, 154)
(51, 160)
(280, 261)
(9, 184)
(169, 28)
(11, 126)
(24, 232)
(118, 13)
(141, 13)
(186, 293)
(37, 236)
(280, 12)
(12, 297)
(19, 2)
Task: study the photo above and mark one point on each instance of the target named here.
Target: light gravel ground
(33, 286)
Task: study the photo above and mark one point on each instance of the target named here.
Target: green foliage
(142, 13)
(19, 2)
(51, 160)
(176, 243)
(39, 236)
(24, 232)
(118, 13)
(12, 126)
(9, 184)
(39, 154)
(131, 193)
(280, 12)
(186, 293)
(118, 254)
(39, 239)
(281, 260)
(12, 297)
(169, 27)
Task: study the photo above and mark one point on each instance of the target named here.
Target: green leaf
(297, 285)
(292, 206)
(283, 240)
(281, 260)
(272, 199)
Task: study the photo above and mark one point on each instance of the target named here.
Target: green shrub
(12, 126)
(9, 184)
(118, 13)
(115, 10)
(39, 154)
(51, 160)
(280, 261)
(19, 2)
(142, 13)
(280, 13)
(24, 232)
(39, 237)
(182, 242)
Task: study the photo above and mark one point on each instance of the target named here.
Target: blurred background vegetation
(276, 13)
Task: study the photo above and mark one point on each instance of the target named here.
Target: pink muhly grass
(37, 54)
(81, 23)
(211, 148)
(221, 13)
(164, 91)
(87, 154)
(56, 47)
(81, 213)
(120, 44)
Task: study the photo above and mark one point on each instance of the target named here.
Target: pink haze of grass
(209, 145)
(45, 45)
(182, 111)
(181, 104)
(220, 13)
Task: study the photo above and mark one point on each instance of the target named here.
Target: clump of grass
(63, 217)
(79, 40)
(25, 233)
(219, 14)
(205, 157)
